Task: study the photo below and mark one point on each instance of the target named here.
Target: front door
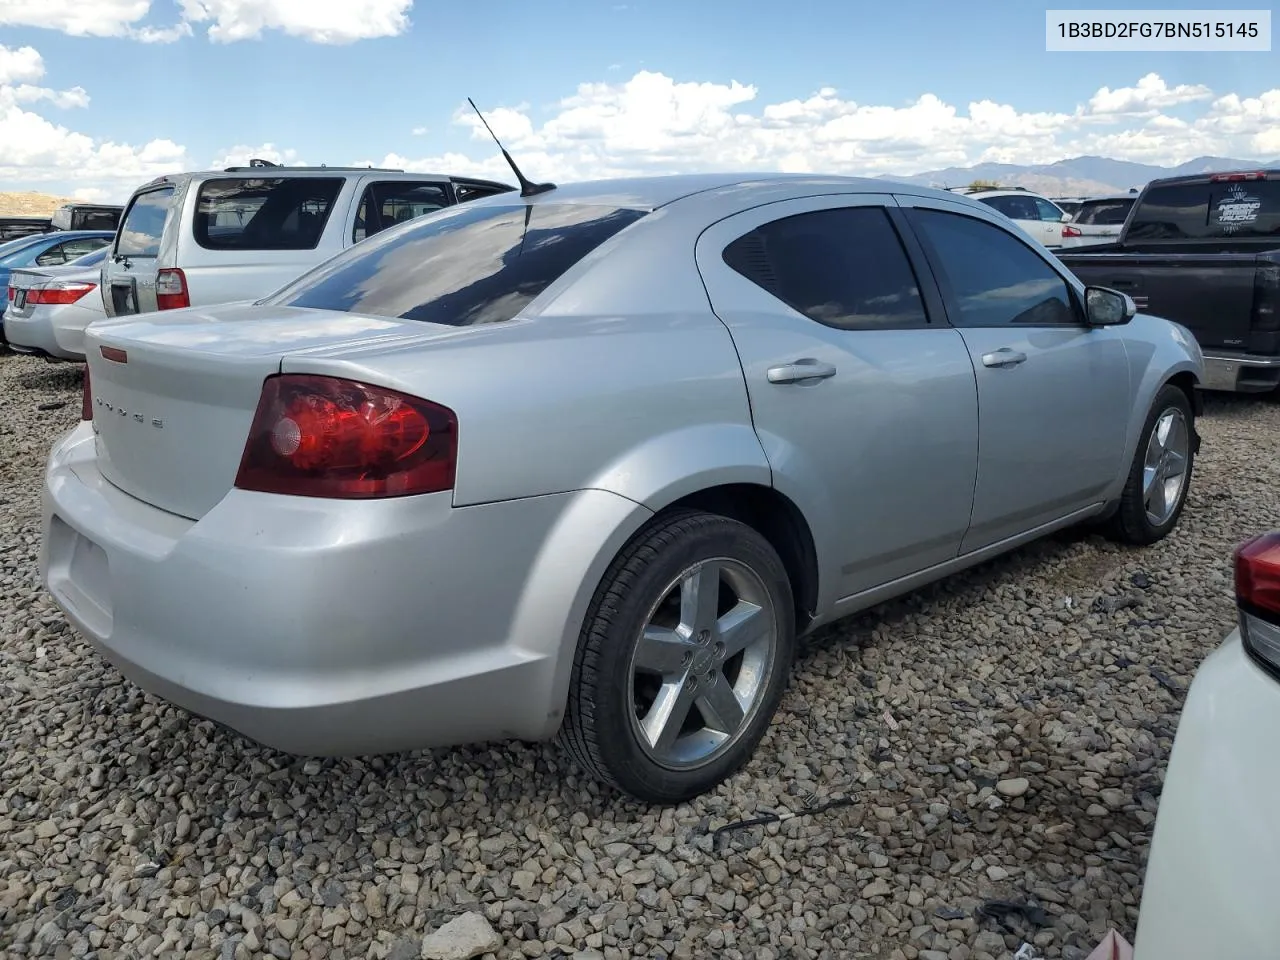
(1053, 392)
(863, 400)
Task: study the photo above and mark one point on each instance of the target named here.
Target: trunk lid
(172, 411)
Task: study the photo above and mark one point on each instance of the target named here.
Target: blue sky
(662, 97)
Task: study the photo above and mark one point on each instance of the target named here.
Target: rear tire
(1160, 475)
(682, 660)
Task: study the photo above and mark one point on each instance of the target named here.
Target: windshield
(463, 266)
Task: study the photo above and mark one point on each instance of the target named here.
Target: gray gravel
(1003, 735)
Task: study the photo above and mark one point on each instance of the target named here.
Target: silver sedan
(585, 464)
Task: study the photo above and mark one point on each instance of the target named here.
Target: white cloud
(1150, 94)
(420, 131)
(35, 151)
(652, 123)
(240, 155)
(227, 21)
(320, 21)
(95, 18)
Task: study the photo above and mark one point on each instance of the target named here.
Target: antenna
(527, 188)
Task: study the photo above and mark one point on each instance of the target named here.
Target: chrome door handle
(804, 369)
(1004, 357)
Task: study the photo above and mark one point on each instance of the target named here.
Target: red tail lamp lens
(315, 436)
(1258, 573)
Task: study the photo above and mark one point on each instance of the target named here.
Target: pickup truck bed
(1225, 289)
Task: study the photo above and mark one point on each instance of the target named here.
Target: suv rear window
(1104, 213)
(465, 266)
(143, 225)
(279, 213)
(1208, 211)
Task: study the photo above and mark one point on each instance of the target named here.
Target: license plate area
(80, 576)
(19, 299)
(124, 297)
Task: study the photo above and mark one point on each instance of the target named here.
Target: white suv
(197, 239)
(1037, 216)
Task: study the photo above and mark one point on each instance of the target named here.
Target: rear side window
(143, 225)
(1104, 213)
(1209, 211)
(388, 203)
(1015, 208)
(280, 213)
(844, 268)
(467, 266)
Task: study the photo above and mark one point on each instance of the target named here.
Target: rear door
(862, 397)
(129, 275)
(1051, 220)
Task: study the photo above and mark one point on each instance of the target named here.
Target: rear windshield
(143, 225)
(1206, 211)
(1104, 213)
(282, 213)
(463, 266)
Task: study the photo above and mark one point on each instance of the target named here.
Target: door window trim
(951, 301)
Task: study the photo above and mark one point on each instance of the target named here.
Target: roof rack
(267, 164)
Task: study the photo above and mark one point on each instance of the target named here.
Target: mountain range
(1079, 176)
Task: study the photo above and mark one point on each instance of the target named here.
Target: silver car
(585, 464)
(50, 307)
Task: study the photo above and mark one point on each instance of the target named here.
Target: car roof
(979, 194)
(650, 193)
(1110, 196)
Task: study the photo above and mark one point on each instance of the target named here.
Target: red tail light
(62, 293)
(1258, 597)
(1236, 177)
(171, 289)
(86, 397)
(1258, 573)
(315, 436)
(1072, 232)
(12, 293)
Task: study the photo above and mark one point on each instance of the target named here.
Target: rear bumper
(1213, 870)
(329, 628)
(1241, 373)
(56, 333)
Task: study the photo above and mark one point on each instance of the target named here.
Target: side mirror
(1067, 218)
(1104, 307)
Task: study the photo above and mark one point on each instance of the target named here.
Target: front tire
(684, 655)
(1160, 475)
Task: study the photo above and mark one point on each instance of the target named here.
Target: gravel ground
(1002, 736)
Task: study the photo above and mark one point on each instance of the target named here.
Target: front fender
(1158, 351)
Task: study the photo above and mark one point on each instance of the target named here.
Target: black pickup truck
(1204, 251)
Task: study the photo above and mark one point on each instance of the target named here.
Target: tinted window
(143, 225)
(466, 266)
(264, 214)
(844, 268)
(387, 204)
(1208, 211)
(1015, 208)
(1104, 213)
(474, 191)
(993, 277)
(92, 259)
(98, 220)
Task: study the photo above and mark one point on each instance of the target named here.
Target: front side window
(467, 266)
(844, 268)
(994, 278)
(143, 226)
(1047, 210)
(278, 213)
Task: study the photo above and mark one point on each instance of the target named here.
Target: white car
(1098, 220)
(49, 307)
(1040, 218)
(1213, 870)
